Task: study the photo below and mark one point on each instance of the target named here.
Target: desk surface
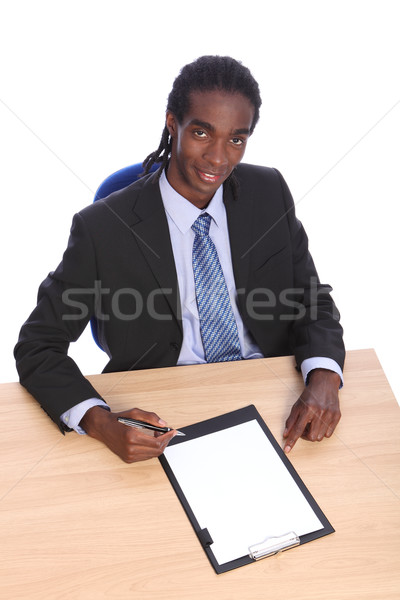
(76, 522)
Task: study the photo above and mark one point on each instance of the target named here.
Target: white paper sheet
(239, 489)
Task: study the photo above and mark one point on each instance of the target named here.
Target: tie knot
(201, 226)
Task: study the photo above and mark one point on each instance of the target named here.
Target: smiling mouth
(210, 177)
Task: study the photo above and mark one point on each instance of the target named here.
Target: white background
(83, 88)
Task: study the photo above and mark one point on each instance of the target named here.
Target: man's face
(208, 144)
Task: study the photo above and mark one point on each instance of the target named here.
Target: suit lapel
(149, 227)
(239, 217)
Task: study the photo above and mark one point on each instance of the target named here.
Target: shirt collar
(183, 213)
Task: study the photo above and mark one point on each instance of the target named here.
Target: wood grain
(76, 522)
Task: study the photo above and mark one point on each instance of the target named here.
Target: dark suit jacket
(119, 266)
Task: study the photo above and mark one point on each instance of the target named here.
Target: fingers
(144, 415)
(131, 444)
(296, 425)
(323, 422)
(138, 445)
(332, 425)
(312, 418)
(316, 429)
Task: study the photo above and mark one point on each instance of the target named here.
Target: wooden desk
(77, 523)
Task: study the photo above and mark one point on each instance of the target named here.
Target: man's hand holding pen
(131, 444)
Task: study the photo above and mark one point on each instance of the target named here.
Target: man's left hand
(316, 413)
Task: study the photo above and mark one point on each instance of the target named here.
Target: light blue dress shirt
(181, 214)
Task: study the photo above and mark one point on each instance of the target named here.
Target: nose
(215, 154)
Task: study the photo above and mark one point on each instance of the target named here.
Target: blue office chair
(120, 179)
(114, 182)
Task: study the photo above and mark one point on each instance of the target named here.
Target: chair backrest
(120, 179)
(114, 182)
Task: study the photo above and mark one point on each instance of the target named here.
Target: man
(202, 261)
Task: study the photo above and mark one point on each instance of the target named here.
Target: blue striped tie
(217, 324)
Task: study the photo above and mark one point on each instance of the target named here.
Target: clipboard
(242, 495)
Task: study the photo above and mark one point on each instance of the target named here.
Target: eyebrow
(205, 125)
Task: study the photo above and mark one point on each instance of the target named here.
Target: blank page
(239, 489)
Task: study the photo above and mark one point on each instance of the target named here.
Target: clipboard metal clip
(274, 545)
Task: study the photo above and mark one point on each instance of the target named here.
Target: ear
(171, 123)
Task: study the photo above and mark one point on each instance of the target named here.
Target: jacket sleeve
(65, 305)
(316, 328)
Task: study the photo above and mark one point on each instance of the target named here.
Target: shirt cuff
(74, 415)
(320, 362)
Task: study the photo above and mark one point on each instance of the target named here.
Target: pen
(143, 425)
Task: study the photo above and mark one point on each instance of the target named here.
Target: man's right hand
(130, 444)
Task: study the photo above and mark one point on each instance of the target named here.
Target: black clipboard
(259, 548)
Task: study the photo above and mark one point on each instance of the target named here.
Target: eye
(237, 141)
(200, 133)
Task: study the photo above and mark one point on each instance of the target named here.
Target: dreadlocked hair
(161, 155)
(205, 74)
